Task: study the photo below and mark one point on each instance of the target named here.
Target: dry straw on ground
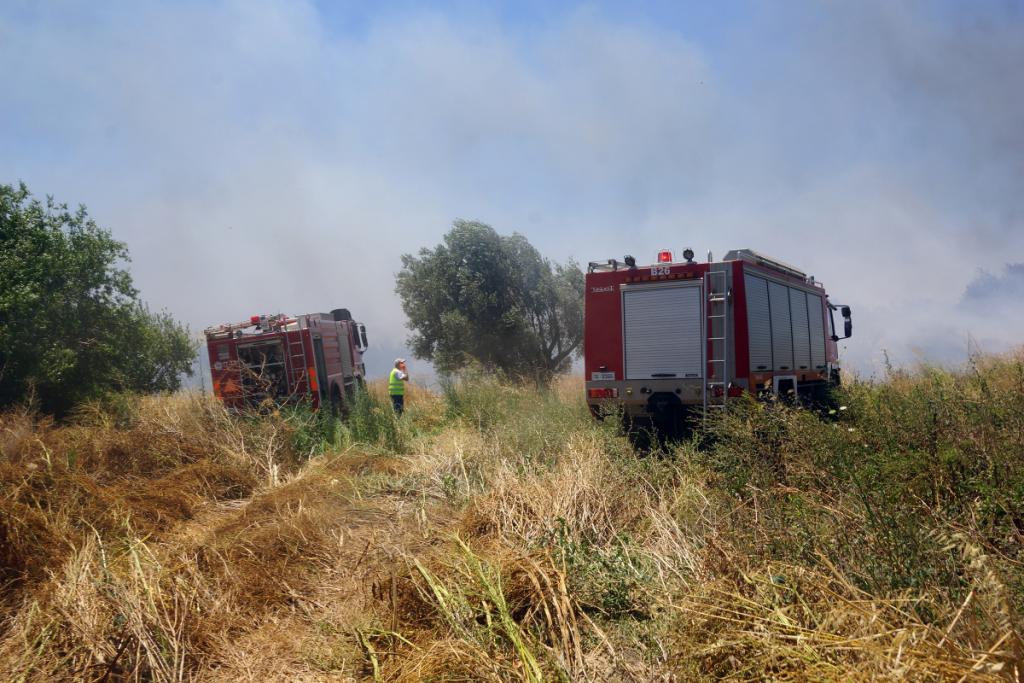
(497, 533)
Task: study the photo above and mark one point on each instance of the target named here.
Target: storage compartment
(801, 333)
(262, 370)
(663, 331)
(785, 327)
(759, 324)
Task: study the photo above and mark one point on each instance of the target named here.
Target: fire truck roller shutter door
(759, 324)
(816, 325)
(782, 327)
(319, 371)
(345, 351)
(662, 331)
(801, 335)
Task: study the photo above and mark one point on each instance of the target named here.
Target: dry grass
(145, 548)
(656, 593)
(644, 570)
(496, 533)
(791, 622)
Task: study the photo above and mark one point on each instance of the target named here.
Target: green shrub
(372, 421)
(480, 398)
(606, 578)
(312, 431)
(879, 490)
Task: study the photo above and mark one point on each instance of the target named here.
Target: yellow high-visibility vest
(396, 387)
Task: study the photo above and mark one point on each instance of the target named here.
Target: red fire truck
(278, 359)
(667, 342)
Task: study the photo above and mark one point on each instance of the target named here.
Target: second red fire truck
(668, 342)
(278, 359)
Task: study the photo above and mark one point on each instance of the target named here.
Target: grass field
(499, 533)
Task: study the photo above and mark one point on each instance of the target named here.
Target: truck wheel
(640, 433)
(669, 417)
(351, 389)
(338, 407)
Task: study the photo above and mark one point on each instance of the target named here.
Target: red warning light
(664, 256)
(255, 320)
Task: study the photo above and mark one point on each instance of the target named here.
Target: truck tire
(338, 405)
(640, 433)
(669, 417)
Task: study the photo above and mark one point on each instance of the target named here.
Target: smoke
(269, 156)
(994, 293)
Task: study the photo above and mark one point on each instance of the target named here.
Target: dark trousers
(398, 403)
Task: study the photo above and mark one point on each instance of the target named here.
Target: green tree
(493, 299)
(71, 323)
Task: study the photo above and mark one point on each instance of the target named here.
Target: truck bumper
(643, 398)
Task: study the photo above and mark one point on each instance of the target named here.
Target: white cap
(399, 361)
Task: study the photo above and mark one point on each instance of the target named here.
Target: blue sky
(263, 156)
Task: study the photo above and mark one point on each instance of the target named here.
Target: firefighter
(396, 385)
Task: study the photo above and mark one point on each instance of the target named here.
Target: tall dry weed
(496, 532)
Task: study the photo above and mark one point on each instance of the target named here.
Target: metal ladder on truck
(295, 358)
(716, 373)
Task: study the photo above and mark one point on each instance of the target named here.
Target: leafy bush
(312, 431)
(479, 397)
(372, 421)
(71, 324)
(881, 490)
(607, 578)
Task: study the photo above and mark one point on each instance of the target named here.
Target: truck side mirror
(847, 322)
